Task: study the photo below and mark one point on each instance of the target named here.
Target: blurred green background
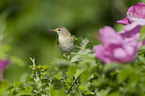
(28, 23)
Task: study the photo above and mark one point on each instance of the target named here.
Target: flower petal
(108, 35)
(125, 21)
(119, 53)
(137, 11)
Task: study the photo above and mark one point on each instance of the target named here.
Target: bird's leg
(60, 55)
(64, 55)
(68, 57)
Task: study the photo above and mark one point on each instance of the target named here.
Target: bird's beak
(54, 30)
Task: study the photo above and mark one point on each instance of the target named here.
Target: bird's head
(61, 30)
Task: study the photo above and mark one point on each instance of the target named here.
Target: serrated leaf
(87, 51)
(84, 43)
(75, 58)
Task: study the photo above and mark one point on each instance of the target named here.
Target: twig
(33, 61)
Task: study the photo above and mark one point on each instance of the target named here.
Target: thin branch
(33, 61)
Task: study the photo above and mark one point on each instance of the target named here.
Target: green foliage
(82, 75)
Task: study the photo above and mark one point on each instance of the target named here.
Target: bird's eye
(59, 30)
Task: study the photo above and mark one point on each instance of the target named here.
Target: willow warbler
(65, 40)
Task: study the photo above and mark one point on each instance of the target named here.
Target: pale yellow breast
(66, 44)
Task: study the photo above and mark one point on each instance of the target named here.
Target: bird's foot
(68, 57)
(64, 55)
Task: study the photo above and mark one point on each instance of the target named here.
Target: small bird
(65, 40)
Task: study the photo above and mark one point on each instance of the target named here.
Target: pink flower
(3, 65)
(115, 48)
(131, 30)
(134, 21)
(135, 13)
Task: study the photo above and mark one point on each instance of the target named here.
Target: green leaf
(84, 43)
(72, 69)
(84, 77)
(141, 59)
(78, 72)
(45, 66)
(87, 51)
(17, 84)
(57, 76)
(75, 58)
